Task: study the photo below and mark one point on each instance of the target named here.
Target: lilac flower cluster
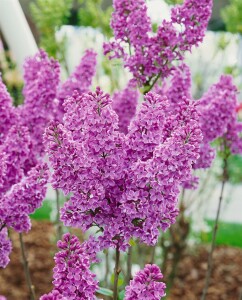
(218, 110)
(150, 55)
(41, 75)
(72, 278)
(146, 285)
(80, 79)
(124, 104)
(23, 175)
(127, 185)
(179, 86)
(23, 199)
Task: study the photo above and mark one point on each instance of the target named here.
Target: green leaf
(120, 279)
(121, 295)
(105, 292)
(132, 242)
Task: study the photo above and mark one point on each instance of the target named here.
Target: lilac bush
(122, 167)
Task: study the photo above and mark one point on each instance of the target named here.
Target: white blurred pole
(16, 31)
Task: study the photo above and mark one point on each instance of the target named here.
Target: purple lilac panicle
(73, 279)
(132, 29)
(113, 183)
(80, 79)
(146, 285)
(42, 76)
(218, 118)
(23, 199)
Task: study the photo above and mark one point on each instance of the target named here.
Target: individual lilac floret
(23, 199)
(80, 79)
(132, 30)
(3, 298)
(146, 285)
(5, 247)
(73, 279)
(124, 104)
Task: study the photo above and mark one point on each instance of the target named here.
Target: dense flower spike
(124, 104)
(146, 285)
(146, 130)
(179, 87)
(150, 55)
(219, 119)
(193, 16)
(41, 76)
(73, 279)
(7, 112)
(23, 199)
(17, 149)
(113, 178)
(151, 199)
(80, 79)
(5, 247)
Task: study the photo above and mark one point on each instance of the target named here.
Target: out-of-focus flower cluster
(23, 174)
(80, 79)
(150, 55)
(217, 111)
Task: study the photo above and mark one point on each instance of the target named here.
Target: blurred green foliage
(235, 169)
(49, 16)
(232, 16)
(93, 14)
(174, 2)
(11, 77)
(229, 234)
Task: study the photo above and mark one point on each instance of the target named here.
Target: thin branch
(106, 268)
(116, 274)
(26, 268)
(129, 265)
(210, 257)
(59, 225)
